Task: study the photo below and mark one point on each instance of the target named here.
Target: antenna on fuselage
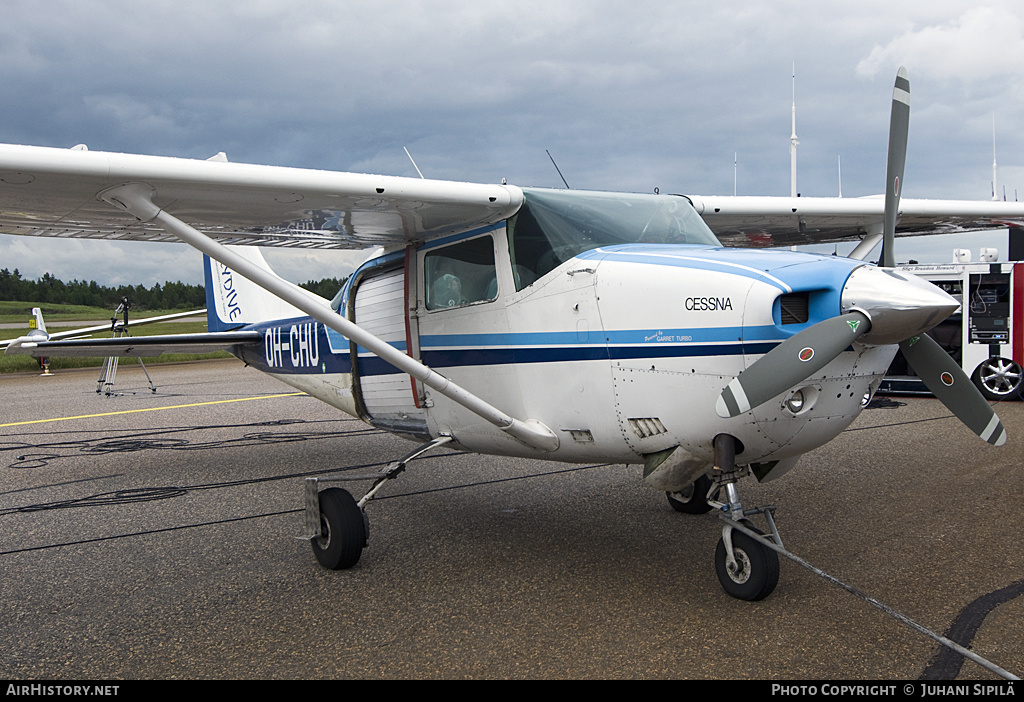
(413, 163)
(557, 169)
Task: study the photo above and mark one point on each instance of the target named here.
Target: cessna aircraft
(562, 325)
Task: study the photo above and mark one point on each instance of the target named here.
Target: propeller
(948, 382)
(883, 306)
(798, 357)
(899, 131)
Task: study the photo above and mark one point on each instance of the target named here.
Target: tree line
(169, 296)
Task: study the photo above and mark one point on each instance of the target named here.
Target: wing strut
(137, 199)
(867, 244)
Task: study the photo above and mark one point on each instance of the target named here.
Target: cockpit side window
(552, 226)
(531, 251)
(460, 274)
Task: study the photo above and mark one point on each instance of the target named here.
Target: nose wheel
(747, 569)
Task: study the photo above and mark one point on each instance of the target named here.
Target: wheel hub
(323, 541)
(1001, 376)
(740, 572)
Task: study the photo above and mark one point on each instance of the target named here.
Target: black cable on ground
(145, 494)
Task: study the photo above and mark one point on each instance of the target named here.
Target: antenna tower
(792, 143)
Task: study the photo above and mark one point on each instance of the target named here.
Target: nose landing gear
(746, 567)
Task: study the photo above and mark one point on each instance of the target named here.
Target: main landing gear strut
(746, 567)
(336, 524)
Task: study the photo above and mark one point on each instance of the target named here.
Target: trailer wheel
(999, 379)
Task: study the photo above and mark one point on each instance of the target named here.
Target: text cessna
(708, 304)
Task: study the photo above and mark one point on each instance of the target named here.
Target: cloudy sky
(626, 96)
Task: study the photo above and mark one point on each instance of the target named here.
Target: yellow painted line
(151, 409)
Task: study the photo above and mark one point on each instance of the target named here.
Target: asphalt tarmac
(153, 536)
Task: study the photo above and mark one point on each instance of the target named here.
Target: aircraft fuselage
(621, 350)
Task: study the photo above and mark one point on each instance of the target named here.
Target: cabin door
(388, 396)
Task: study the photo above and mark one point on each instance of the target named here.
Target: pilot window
(460, 274)
(553, 226)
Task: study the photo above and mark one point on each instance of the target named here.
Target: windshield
(552, 226)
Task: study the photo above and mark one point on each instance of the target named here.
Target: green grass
(15, 312)
(27, 364)
(73, 313)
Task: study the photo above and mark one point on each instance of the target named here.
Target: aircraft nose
(900, 305)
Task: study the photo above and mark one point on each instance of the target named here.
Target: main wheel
(692, 499)
(758, 568)
(343, 530)
(999, 379)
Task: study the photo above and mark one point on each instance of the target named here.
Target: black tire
(343, 528)
(759, 568)
(999, 379)
(693, 499)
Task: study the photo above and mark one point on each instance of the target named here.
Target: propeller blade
(795, 359)
(953, 388)
(899, 129)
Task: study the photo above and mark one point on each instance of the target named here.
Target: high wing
(789, 221)
(132, 347)
(56, 192)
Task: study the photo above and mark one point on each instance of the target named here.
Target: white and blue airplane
(554, 324)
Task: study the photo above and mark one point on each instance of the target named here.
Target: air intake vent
(794, 308)
(647, 426)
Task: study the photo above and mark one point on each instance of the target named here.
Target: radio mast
(793, 142)
(995, 189)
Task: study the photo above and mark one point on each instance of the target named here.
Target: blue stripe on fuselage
(329, 353)
(645, 337)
